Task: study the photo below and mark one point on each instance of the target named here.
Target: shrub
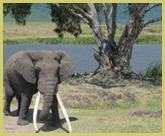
(154, 71)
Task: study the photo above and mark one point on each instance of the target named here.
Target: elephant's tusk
(35, 110)
(64, 112)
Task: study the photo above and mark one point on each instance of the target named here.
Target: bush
(154, 71)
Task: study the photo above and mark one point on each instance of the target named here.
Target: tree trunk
(102, 51)
(129, 35)
(117, 57)
(106, 52)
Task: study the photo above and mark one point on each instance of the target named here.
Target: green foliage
(65, 21)
(19, 11)
(6, 9)
(153, 71)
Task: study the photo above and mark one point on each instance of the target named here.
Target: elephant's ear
(25, 67)
(66, 65)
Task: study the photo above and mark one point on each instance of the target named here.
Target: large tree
(108, 53)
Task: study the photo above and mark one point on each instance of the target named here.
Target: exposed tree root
(107, 78)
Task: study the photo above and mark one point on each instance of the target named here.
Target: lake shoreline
(150, 39)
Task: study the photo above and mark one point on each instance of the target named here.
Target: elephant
(31, 71)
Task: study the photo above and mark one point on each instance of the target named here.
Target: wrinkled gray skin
(26, 72)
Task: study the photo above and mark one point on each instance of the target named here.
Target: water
(83, 59)
(144, 55)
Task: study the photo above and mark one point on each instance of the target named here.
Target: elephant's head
(46, 69)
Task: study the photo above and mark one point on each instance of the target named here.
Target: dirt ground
(10, 124)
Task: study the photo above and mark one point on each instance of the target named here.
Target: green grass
(81, 40)
(154, 105)
(42, 32)
(111, 121)
(113, 117)
(143, 39)
(154, 71)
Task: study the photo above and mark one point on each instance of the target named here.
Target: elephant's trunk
(48, 88)
(48, 100)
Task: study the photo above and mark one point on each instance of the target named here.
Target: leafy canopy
(19, 11)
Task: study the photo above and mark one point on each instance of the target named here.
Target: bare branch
(152, 21)
(111, 30)
(143, 7)
(79, 16)
(92, 10)
(110, 13)
(114, 13)
(107, 17)
(81, 11)
(152, 6)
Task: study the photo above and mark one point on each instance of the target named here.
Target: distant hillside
(40, 13)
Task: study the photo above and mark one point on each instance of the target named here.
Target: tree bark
(101, 53)
(129, 35)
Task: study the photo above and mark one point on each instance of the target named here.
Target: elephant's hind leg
(9, 94)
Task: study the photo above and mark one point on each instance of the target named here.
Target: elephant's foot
(56, 124)
(22, 122)
(43, 117)
(6, 112)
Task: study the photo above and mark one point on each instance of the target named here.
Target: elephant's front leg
(56, 122)
(25, 103)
